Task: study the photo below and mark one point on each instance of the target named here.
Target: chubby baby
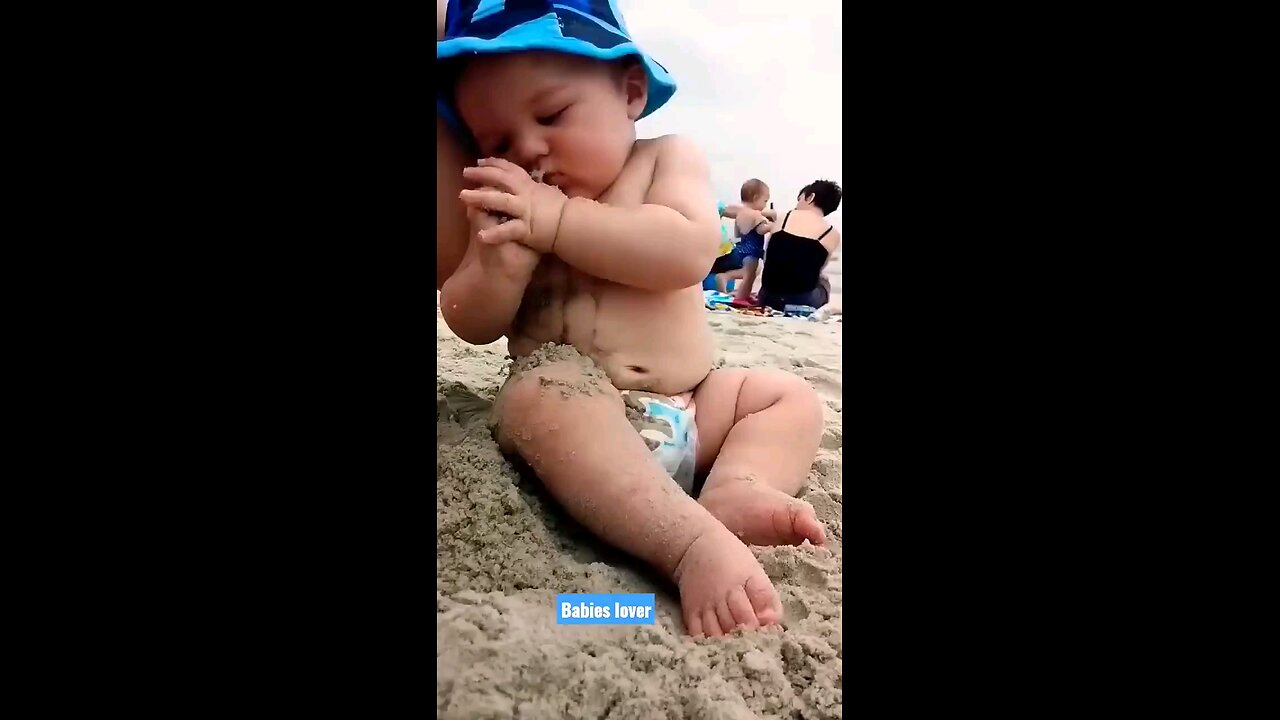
(588, 248)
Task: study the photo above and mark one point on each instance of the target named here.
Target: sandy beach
(505, 549)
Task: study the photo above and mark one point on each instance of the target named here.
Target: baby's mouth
(547, 178)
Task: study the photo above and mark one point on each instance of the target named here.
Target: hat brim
(544, 34)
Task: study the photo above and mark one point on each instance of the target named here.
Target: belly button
(637, 369)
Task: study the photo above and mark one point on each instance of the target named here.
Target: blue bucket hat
(588, 28)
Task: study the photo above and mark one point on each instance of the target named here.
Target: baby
(752, 222)
(594, 276)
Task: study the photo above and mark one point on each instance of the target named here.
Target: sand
(505, 549)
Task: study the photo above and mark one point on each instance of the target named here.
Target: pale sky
(758, 87)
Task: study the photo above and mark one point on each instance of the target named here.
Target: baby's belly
(653, 341)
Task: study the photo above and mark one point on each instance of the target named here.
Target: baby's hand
(534, 208)
(497, 254)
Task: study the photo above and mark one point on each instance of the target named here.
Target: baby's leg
(749, 267)
(567, 421)
(722, 279)
(758, 431)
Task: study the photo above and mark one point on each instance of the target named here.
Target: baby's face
(572, 118)
(759, 201)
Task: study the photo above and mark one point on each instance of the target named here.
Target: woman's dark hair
(826, 195)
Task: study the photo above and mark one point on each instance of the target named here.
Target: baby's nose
(529, 151)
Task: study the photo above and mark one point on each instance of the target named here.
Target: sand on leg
(758, 433)
(560, 413)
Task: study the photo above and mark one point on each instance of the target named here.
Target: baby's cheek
(605, 160)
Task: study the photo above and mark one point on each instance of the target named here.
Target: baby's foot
(723, 587)
(761, 515)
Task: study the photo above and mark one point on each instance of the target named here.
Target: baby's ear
(635, 88)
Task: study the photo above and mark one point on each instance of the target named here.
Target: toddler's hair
(753, 189)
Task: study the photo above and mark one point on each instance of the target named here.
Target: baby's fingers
(481, 219)
(509, 231)
(490, 176)
(502, 164)
(493, 201)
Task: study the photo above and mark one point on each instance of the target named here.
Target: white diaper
(668, 428)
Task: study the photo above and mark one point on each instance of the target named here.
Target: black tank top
(792, 263)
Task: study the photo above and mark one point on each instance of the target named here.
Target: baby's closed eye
(550, 119)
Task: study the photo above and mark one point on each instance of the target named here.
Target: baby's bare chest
(642, 339)
(562, 304)
(631, 189)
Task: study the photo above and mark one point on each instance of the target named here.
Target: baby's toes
(764, 600)
(710, 625)
(725, 616)
(693, 622)
(805, 522)
(740, 607)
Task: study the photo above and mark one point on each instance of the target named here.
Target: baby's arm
(731, 212)
(749, 220)
(481, 299)
(668, 243)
